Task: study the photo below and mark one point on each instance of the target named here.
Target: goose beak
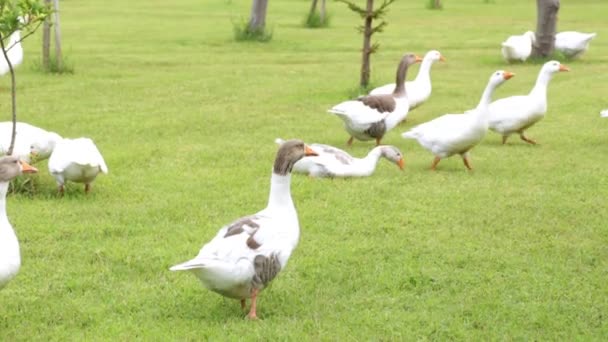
(441, 58)
(27, 168)
(401, 163)
(310, 152)
(418, 59)
(563, 68)
(507, 75)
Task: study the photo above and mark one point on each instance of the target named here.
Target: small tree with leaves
(369, 14)
(18, 15)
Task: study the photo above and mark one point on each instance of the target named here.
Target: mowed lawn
(186, 119)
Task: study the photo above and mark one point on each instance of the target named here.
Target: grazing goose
(370, 117)
(30, 141)
(452, 134)
(10, 258)
(14, 51)
(515, 114)
(333, 162)
(418, 90)
(573, 44)
(518, 48)
(76, 160)
(604, 113)
(246, 255)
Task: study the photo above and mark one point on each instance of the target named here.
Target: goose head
(553, 67)
(434, 56)
(289, 153)
(393, 154)
(499, 77)
(11, 167)
(43, 147)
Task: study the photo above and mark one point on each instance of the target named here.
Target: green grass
(186, 118)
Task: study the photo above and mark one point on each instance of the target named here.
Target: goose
(333, 162)
(247, 254)
(14, 51)
(31, 143)
(76, 160)
(452, 134)
(515, 114)
(604, 113)
(573, 44)
(10, 258)
(418, 90)
(518, 47)
(370, 117)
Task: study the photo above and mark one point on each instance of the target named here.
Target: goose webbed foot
(435, 162)
(526, 139)
(350, 141)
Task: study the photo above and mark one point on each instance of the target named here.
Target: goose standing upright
(333, 162)
(418, 90)
(515, 114)
(246, 255)
(573, 44)
(518, 48)
(10, 257)
(370, 117)
(14, 51)
(452, 134)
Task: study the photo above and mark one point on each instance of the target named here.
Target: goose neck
(424, 73)
(400, 79)
(486, 97)
(280, 191)
(3, 191)
(540, 87)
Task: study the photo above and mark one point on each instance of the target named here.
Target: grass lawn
(186, 119)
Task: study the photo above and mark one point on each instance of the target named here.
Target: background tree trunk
(322, 12)
(546, 23)
(257, 21)
(313, 8)
(367, 50)
(46, 40)
(58, 54)
(437, 3)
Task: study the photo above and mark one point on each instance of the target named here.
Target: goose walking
(452, 134)
(515, 114)
(518, 47)
(333, 162)
(419, 90)
(370, 117)
(10, 257)
(573, 44)
(246, 255)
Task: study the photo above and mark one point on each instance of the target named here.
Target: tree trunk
(322, 12)
(257, 21)
(437, 4)
(367, 50)
(58, 54)
(46, 40)
(13, 97)
(313, 8)
(546, 22)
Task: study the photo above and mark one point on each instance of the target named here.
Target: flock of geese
(247, 254)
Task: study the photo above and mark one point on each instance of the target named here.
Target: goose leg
(243, 304)
(350, 141)
(60, 189)
(526, 139)
(378, 141)
(87, 188)
(435, 162)
(504, 139)
(252, 314)
(465, 160)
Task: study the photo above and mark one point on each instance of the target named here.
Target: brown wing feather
(381, 103)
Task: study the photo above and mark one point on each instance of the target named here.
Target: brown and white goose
(246, 255)
(10, 258)
(370, 117)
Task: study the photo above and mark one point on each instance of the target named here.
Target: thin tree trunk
(322, 12)
(58, 54)
(546, 23)
(13, 97)
(367, 37)
(437, 4)
(257, 21)
(46, 39)
(313, 8)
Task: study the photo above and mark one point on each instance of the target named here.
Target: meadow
(186, 119)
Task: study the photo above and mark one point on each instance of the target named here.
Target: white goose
(76, 160)
(370, 117)
(515, 114)
(30, 141)
(333, 162)
(246, 255)
(419, 90)
(518, 48)
(452, 134)
(573, 44)
(10, 257)
(14, 51)
(604, 113)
